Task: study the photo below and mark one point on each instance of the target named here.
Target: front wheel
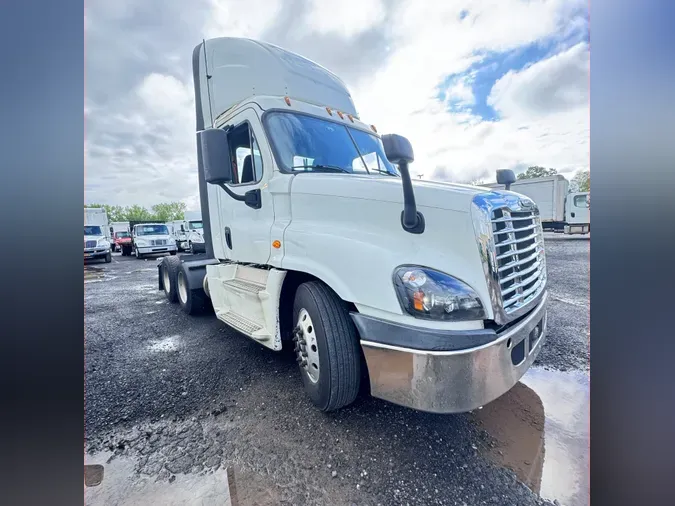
(326, 347)
(108, 257)
(138, 255)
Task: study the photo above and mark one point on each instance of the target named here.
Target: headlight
(197, 238)
(141, 242)
(432, 295)
(103, 242)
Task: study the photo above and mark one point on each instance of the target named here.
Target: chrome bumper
(453, 381)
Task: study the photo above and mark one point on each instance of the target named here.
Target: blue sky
(482, 75)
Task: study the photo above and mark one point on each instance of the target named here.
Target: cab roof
(229, 70)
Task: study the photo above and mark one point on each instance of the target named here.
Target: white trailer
(315, 239)
(96, 234)
(559, 210)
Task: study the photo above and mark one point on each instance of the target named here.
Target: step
(244, 325)
(245, 286)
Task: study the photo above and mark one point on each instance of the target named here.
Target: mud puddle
(542, 431)
(114, 481)
(93, 274)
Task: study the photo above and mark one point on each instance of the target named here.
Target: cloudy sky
(475, 85)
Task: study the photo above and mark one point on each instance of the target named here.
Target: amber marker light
(276, 244)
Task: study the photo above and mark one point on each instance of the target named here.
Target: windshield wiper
(333, 168)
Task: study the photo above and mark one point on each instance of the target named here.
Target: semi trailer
(425, 294)
(559, 209)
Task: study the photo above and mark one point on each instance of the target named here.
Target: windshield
(121, 235)
(152, 230)
(92, 230)
(196, 225)
(304, 143)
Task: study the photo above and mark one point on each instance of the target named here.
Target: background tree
(169, 211)
(581, 182)
(536, 171)
(137, 212)
(166, 211)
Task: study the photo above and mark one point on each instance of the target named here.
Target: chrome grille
(519, 255)
(89, 244)
(158, 242)
(511, 243)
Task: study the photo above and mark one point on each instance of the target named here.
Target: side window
(580, 201)
(245, 154)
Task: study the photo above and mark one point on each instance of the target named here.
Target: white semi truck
(96, 239)
(430, 295)
(559, 209)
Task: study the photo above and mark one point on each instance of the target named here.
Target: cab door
(578, 208)
(245, 234)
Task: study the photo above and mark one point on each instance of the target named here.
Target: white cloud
(393, 56)
(346, 18)
(559, 83)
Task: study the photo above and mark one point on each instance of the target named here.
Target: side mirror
(506, 177)
(398, 149)
(215, 153)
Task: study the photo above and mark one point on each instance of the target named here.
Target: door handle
(228, 237)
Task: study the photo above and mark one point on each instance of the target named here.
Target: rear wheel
(326, 347)
(170, 266)
(192, 300)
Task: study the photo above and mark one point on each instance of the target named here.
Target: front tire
(108, 257)
(138, 255)
(327, 347)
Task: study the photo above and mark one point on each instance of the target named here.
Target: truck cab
(96, 244)
(431, 294)
(152, 239)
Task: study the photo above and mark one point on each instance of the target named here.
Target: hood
(429, 194)
(94, 237)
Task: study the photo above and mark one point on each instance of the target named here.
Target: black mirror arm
(250, 198)
(411, 219)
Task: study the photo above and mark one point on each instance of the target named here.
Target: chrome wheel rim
(306, 346)
(182, 288)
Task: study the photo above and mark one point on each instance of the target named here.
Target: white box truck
(430, 295)
(96, 238)
(560, 210)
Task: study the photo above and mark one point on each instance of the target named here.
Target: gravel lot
(178, 397)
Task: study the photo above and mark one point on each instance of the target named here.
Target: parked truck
(560, 210)
(429, 295)
(96, 241)
(151, 238)
(188, 232)
(119, 233)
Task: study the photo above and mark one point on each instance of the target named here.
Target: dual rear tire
(176, 285)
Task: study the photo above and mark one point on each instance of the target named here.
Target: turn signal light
(288, 101)
(276, 244)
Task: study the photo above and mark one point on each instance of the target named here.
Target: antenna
(208, 87)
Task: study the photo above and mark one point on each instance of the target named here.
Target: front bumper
(149, 250)
(96, 252)
(448, 371)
